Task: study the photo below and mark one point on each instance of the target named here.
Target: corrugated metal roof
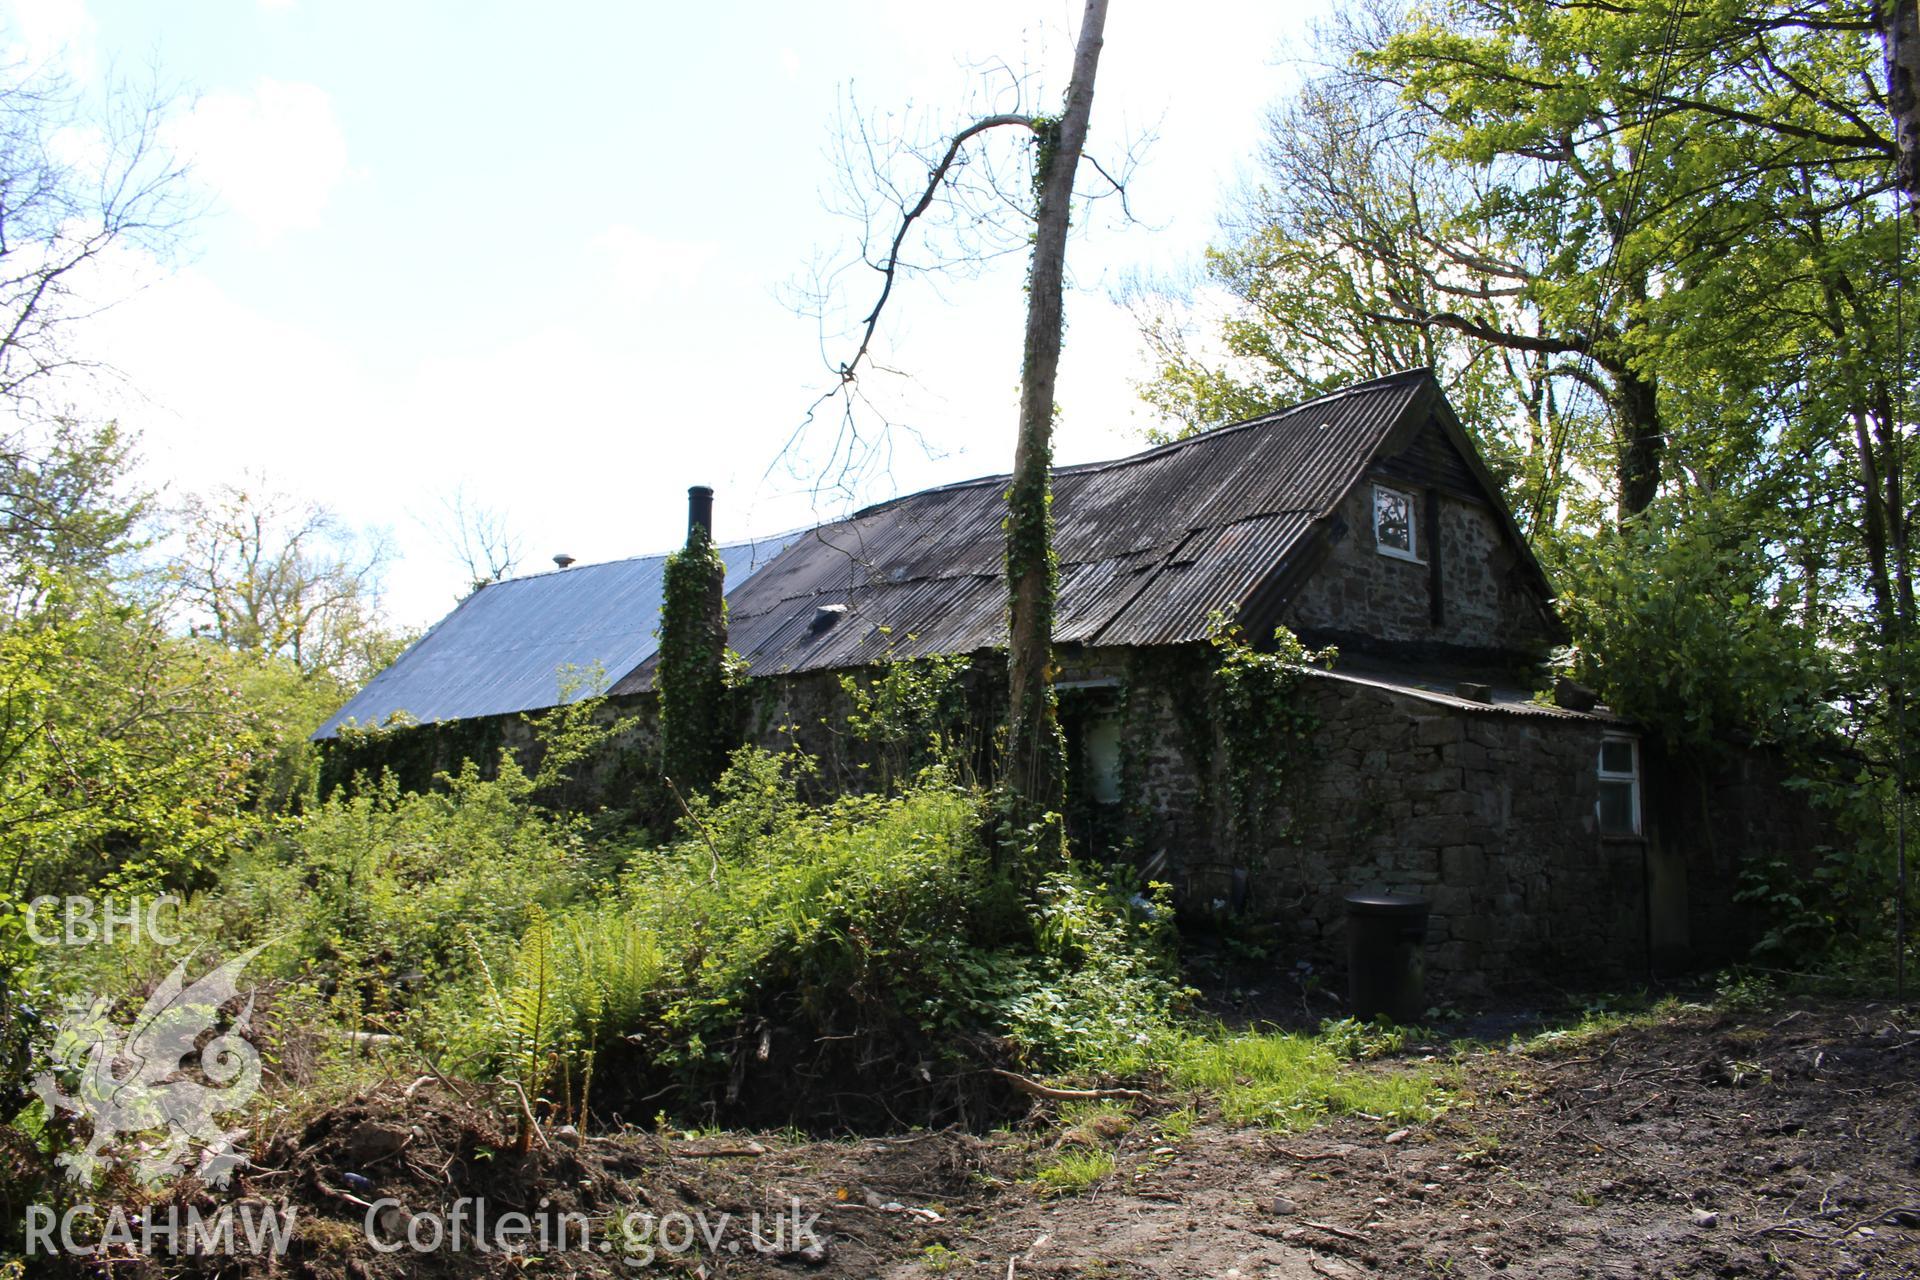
(507, 647)
(1149, 545)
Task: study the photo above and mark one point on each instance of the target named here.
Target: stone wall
(1487, 811)
(807, 711)
(621, 778)
(1718, 821)
(1362, 599)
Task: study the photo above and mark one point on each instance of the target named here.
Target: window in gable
(1619, 804)
(1393, 523)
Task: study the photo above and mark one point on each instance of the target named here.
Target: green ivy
(694, 672)
(1267, 727)
(912, 713)
(1033, 713)
(415, 754)
(1046, 144)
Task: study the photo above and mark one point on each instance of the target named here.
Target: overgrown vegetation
(908, 714)
(691, 675)
(866, 939)
(1671, 308)
(1267, 727)
(1652, 253)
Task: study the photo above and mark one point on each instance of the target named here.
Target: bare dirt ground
(1787, 1145)
(1777, 1144)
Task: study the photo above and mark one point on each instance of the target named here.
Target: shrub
(909, 714)
(867, 943)
(379, 889)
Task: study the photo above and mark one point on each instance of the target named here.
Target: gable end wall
(1363, 600)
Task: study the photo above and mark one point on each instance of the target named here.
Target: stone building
(1545, 835)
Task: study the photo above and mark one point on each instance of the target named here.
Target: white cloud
(274, 155)
(52, 35)
(644, 266)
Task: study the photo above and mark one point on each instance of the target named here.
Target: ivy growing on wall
(910, 713)
(416, 754)
(1266, 726)
(693, 673)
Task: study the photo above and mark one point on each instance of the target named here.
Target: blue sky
(536, 252)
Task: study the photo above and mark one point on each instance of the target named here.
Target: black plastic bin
(1386, 956)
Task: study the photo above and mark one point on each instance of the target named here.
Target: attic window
(1619, 804)
(1393, 523)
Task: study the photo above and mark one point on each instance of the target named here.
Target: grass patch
(939, 1259)
(1604, 1018)
(1291, 1082)
(1073, 1171)
(1176, 1126)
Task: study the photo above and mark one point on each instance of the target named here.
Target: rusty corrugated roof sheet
(510, 646)
(1149, 545)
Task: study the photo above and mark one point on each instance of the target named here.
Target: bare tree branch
(890, 266)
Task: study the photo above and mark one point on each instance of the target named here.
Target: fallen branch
(1906, 1215)
(925, 1215)
(1033, 1088)
(1787, 1229)
(723, 1153)
(337, 1193)
(1331, 1229)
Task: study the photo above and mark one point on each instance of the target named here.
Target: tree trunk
(1637, 403)
(1034, 777)
(1900, 38)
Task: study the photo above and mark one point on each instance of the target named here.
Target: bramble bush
(773, 927)
(381, 885)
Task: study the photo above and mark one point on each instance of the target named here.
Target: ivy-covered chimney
(696, 721)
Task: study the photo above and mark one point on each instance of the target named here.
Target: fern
(532, 1018)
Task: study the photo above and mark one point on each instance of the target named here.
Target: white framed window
(1395, 531)
(1618, 807)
